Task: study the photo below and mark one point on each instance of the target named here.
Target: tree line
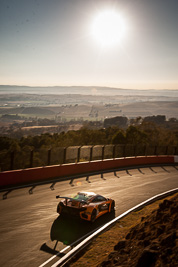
(39, 150)
(146, 133)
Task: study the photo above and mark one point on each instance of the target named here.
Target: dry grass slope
(144, 238)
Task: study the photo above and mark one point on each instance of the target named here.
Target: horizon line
(92, 86)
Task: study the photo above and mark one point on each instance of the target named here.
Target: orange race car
(87, 205)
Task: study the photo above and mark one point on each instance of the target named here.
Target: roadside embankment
(144, 238)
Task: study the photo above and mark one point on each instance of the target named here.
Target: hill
(85, 90)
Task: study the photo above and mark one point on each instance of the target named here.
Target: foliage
(134, 135)
(119, 137)
(140, 134)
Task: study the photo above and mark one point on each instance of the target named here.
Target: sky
(59, 42)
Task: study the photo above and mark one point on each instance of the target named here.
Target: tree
(119, 138)
(135, 136)
(116, 121)
(7, 143)
(136, 121)
(159, 119)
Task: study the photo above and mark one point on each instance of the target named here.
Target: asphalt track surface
(32, 232)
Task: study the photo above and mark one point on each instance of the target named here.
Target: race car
(87, 205)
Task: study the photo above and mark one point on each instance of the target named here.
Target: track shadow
(152, 170)
(5, 194)
(67, 229)
(52, 186)
(140, 171)
(115, 174)
(102, 176)
(71, 182)
(87, 179)
(165, 169)
(49, 250)
(30, 191)
(128, 172)
(176, 168)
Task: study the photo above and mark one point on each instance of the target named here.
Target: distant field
(143, 109)
(86, 103)
(96, 111)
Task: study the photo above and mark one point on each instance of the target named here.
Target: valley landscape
(86, 102)
(71, 107)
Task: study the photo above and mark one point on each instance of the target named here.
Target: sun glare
(108, 28)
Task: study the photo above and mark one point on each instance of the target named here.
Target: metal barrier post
(12, 160)
(124, 151)
(64, 155)
(102, 156)
(155, 152)
(145, 150)
(91, 153)
(31, 159)
(49, 157)
(175, 150)
(114, 151)
(166, 150)
(78, 154)
(135, 148)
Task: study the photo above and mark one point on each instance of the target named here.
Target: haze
(47, 43)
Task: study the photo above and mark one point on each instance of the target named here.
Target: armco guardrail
(57, 172)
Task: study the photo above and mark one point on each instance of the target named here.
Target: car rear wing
(72, 199)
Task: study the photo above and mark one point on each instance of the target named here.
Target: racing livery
(87, 205)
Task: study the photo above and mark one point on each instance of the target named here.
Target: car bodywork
(87, 205)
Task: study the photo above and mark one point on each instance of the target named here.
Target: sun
(108, 28)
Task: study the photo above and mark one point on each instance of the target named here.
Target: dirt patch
(153, 242)
(145, 238)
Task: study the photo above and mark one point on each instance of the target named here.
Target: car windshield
(81, 196)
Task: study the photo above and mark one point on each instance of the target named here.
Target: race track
(31, 231)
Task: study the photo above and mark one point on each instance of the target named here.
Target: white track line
(53, 257)
(68, 247)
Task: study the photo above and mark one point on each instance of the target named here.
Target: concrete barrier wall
(26, 176)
